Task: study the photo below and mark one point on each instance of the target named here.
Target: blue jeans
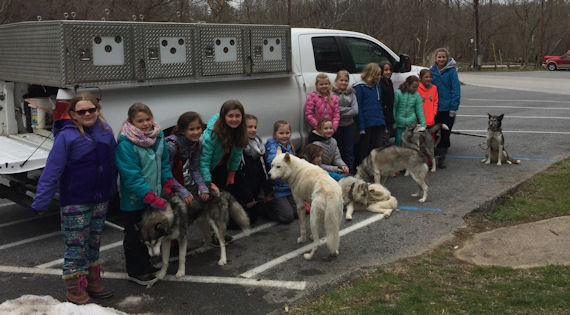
(345, 140)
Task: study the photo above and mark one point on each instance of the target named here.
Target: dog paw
(301, 239)
(483, 160)
(422, 200)
(222, 262)
(415, 194)
(308, 256)
(488, 162)
(180, 273)
(499, 164)
(348, 218)
(161, 274)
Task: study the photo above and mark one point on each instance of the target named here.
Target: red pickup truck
(557, 62)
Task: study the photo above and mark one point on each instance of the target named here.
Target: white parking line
(520, 117)
(293, 285)
(518, 131)
(27, 219)
(503, 100)
(272, 263)
(29, 240)
(7, 204)
(120, 243)
(524, 107)
(113, 225)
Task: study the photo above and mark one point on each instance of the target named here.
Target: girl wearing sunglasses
(82, 160)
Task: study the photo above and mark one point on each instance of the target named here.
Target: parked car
(557, 62)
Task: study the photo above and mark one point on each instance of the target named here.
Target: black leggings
(443, 117)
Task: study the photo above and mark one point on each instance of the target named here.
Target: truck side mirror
(404, 65)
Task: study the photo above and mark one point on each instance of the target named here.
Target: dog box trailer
(172, 67)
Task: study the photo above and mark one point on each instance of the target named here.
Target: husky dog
(381, 163)
(360, 194)
(496, 143)
(158, 227)
(419, 138)
(310, 183)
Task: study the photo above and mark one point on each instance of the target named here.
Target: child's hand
(231, 177)
(188, 200)
(250, 204)
(204, 196)
(215, 189)
(344, 170)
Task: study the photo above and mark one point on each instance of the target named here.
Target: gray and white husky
(382, 163)
(158, 227)
(496, 143)
(358, 194)
(419, 138)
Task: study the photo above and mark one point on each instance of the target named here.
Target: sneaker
(227, 238)
(144, 279)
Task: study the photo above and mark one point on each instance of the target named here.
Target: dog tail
(385, 207)
(239, 215)
(444, 127)
(333, 217)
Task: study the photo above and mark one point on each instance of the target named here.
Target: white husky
(310, 183)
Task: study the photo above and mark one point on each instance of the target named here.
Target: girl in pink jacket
(322, 103)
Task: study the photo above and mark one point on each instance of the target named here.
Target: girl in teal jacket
(223, 142)
(143, 164)
(408, 107)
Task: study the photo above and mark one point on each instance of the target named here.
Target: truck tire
(551, 66)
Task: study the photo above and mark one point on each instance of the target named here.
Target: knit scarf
(138, 137)
(255, 147)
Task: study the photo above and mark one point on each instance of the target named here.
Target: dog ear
(161, 228)
(501, 117)
(287, 157)
(489, 115)
(279, 150)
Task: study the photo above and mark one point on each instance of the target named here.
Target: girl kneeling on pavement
(82, 160)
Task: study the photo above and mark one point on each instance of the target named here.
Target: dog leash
(467, 134)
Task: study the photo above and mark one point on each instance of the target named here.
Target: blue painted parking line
(482, 157)
(418, 208)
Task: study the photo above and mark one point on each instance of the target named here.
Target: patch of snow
(34, 304)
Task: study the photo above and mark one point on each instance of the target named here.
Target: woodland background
(415, 27)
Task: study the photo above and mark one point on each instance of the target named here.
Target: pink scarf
(138, 137)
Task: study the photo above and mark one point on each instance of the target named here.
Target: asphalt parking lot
(266, 270)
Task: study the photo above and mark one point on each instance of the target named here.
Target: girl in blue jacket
(449, 93)
(143, 163)
(371, 123)
(82, 162)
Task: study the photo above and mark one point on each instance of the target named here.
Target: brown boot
(95, 286)
(75, 284)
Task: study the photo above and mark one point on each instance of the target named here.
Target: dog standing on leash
(382, 163)
(310, 183)
(359, 194)
(496, 143)
(420, 138)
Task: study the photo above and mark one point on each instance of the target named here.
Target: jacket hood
(349, 90)
(451, 64)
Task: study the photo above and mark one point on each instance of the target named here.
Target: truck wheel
(551, 66)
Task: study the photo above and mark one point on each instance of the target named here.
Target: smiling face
(143, 121)
(342, 83)
(85, 113)
(326, 130)
(193, 131)
(283, 134)
(387, 72)
(233, 118)
(427, 79)
(251, 128)
(323, 86)
(441, 59)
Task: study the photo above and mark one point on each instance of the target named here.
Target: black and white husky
(496, 143)
(158, 227)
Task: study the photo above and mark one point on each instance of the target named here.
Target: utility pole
(541, 52)
(289, 12)
(476, 64)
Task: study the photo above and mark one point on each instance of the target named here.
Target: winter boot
(441, 158)
(95, 286)
(75, 284)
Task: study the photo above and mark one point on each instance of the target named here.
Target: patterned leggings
(82, 226)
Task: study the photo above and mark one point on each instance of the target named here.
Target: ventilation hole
(173, 50)
(164, 42)
(118, 39)
(265, 42)
(181, 42)
(97, 40)
(218, 42)
(271, 48)
(232, 42)
(108, 48)
(226, 50)
(277, 41)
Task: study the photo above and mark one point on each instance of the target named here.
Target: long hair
(324, 76)
(85, 96)
(409, 80)
(382, 66)
(311, 151)
(370, 73)
(138, 108)
(184, 120)
(228, 136)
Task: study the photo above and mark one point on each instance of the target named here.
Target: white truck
(172, 67)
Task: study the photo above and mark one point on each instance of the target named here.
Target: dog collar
(351, 188)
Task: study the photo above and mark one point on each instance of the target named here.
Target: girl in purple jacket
(82, 161)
